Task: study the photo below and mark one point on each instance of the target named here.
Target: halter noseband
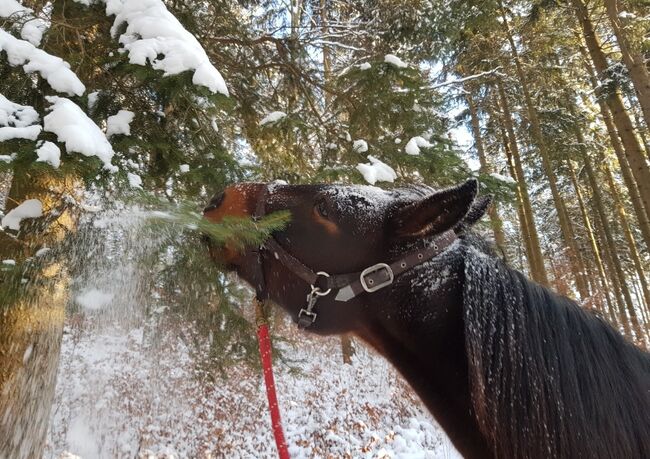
(348, 285)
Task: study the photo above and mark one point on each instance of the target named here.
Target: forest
(119, 119)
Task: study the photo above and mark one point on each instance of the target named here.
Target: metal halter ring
(316, 290)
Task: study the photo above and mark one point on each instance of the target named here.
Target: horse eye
(321, 209)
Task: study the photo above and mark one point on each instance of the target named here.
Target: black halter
(348, 285)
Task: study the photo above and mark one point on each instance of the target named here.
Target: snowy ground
(119, 396)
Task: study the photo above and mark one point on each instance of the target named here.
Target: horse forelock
(547, 378)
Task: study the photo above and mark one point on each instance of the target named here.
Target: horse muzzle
(238, 200)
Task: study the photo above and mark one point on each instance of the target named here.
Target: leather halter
(348, 285)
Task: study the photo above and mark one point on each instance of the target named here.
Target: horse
(507, 367)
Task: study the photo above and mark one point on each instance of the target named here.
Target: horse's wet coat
(435, 320)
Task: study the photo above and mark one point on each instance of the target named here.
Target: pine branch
(238, 232)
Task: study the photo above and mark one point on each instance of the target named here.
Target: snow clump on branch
(32, 28)
(119, 123)
(413, 146)
(49, 153)
(32, 208)
(272, 117)
(376, 171)
(360, 146)
(394, 60)
(17, 121)
(55, 70)
(79, 133)
(153, 31)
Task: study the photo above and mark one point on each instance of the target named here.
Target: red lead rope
(267, 366)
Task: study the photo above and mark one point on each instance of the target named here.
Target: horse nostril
(215, 202)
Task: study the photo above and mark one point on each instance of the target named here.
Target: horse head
(335, 233)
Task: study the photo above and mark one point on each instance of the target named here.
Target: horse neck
(419, 329)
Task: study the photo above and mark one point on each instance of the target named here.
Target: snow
(119, 123)
(9, 262)
(136, 379)
(17, 121)
(503, 178)
(121, 393)
(272, 117)
(8, 158)
(360, 146)
(16, 114)
(92, 100)
(42, 251)
(55, 70)
(32, 28)
(394, 60)
(365, 66)
(376, 171)
(134, 180)
(184, 168)
(79, 133)
(398, 141)
(626, 15)
(93, 299)
(413, 146)
(29, 132)
(31, 208)
(49, 153)
(154, 35)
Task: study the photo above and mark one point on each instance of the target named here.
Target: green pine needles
(238, 232)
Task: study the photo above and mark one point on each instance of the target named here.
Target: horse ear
(478, 209)
(436, 213)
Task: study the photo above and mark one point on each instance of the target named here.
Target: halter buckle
(371, 284)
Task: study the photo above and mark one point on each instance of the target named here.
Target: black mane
(549, 379)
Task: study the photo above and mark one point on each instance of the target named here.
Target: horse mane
(547, 378)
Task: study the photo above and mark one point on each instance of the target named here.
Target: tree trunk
(632, 59)
(592, 239)
(622, 121)
(616, 315)
(495, 220)
(626, 171)
(629, 237)
(533, 118)
(347, 349)
(599, 204)
(31, 325)
(526, 217)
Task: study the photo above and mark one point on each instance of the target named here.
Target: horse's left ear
(436, 213)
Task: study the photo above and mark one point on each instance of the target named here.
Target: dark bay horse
(507, 367)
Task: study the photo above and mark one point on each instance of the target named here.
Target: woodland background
(547, 102)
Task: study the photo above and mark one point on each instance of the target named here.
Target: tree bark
(600, 209)
(493, 213)
(526, 217)
(592, 239)
(622, 121)
(630, 183)
(632, 59)
(533, 118)
(629, 237)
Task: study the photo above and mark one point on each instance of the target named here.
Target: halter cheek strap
(348, 286)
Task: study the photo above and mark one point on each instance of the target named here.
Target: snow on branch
(55, 70)
(32, 28)
(494, 71)
(79, 133)
(152, 31)
(376, 171)
(17, 121)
